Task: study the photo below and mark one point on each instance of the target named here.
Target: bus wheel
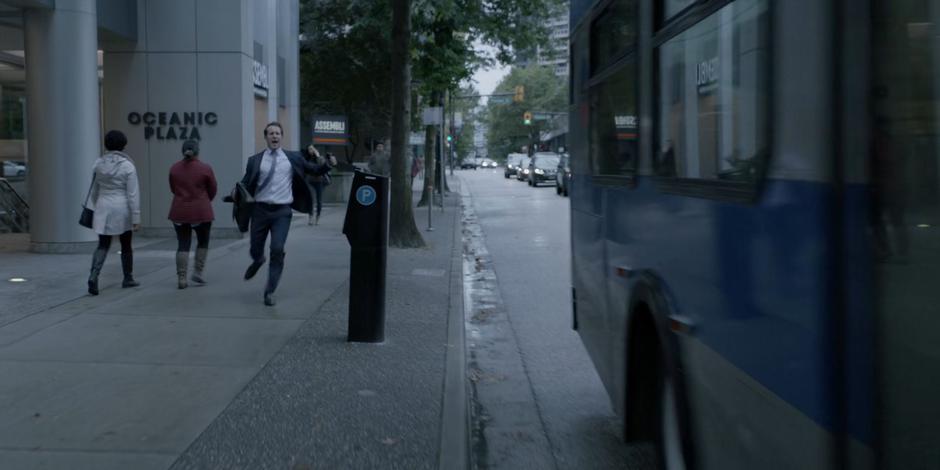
(669, 441)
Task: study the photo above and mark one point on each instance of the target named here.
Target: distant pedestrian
(275, 179)
(379, 161)
(115, 198)
(415, 168)
(193, 185)
(317, 182)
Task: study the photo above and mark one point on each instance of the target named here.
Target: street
(537, 400)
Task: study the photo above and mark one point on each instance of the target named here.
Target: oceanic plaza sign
(172, 125)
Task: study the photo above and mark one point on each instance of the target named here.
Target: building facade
(161, 71)
(553, 53)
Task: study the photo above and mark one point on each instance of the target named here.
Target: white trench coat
(115, 194)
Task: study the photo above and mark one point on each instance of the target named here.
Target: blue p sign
(365, 195)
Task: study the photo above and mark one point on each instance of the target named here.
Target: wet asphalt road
(527, 236)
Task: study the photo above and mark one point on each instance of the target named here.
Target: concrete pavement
(208, 377)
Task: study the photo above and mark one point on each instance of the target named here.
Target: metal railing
(14, 212)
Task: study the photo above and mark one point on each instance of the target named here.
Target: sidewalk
(208, 377)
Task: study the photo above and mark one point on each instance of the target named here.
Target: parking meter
(366, 229)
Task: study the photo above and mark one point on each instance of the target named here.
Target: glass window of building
(904, 173)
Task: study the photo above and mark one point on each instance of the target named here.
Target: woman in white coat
(115, 198)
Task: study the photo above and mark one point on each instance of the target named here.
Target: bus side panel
(756, 283)
(588, 270)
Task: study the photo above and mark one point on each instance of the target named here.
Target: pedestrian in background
(275, 178)
(378, 162)
(193, 185)
(317, 182)
(115, 198)
(415, 168)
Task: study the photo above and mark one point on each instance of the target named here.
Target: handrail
(14, 211)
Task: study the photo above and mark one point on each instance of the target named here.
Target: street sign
(330, 130)
(458, 120)
(541, 116)
(432, 116)
(505, 99)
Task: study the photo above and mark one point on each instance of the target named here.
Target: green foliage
(344, 58)
(344, 63)
(544, 92)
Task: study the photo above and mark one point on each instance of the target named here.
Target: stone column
(62, 90)
(270, 59)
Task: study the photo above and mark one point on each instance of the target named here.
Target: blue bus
(755, 221)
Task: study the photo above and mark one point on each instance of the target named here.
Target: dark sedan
(512, 164)
(522, 174)
(542, 168)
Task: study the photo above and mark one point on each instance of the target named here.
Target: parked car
(542, 168)
(11, 168)
(563, 175)
(522, 174)
(512, 164)
(468, 164)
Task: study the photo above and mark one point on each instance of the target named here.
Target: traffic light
(450, 138)
(519, 95)
(527, 118)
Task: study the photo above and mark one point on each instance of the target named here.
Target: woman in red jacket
(193, 185)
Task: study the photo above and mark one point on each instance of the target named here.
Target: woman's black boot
(97, 261)
(127, 264)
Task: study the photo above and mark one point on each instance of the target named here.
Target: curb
(455, 417)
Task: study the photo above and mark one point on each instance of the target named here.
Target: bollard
(366, 229)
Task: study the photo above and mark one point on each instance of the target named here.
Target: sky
(486, 80)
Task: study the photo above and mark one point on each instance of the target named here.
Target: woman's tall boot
(182, 264)
(97, 261)
(200, 265)
(127, 264)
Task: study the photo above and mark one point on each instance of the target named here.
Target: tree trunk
(402, 229)
(430, 158)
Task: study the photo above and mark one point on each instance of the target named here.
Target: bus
(755, 227)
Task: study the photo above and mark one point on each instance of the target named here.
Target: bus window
(712, 96)
(613, 123)
(613, 34)
(905, 228)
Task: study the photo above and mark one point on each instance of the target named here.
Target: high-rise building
(553, 53)
(161, 71)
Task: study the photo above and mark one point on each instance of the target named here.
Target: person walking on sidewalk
(379, 161)
(415, 168)
(193, 185)
(275, 179)
(317, 182)
(115, 198)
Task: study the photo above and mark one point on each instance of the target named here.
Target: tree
(345, 62)
(544, 91)
(402, 231)
(446, 55)
(344, 43)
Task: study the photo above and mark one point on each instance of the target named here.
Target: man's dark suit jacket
(243, 194)
(303, 198)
